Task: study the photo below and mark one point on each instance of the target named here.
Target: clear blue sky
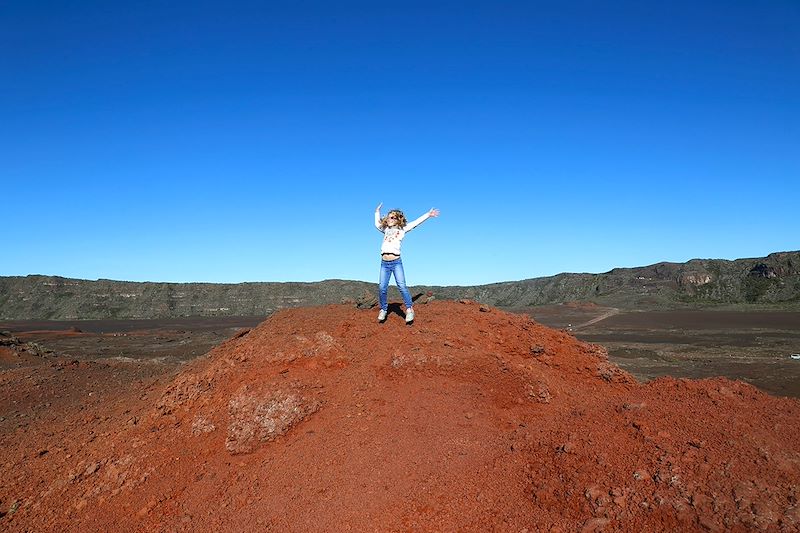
(251, 141)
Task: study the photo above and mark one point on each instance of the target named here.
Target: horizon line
(413, 285)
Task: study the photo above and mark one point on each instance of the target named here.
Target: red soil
(7, 355)
(471, 420)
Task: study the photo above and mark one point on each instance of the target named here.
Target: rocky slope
(772, 281)
(473, 419)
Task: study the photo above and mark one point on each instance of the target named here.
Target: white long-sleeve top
(393, 235)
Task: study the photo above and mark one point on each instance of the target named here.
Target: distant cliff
(52, 297)
(772, 281)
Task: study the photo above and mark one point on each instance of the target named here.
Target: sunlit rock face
(696, 279)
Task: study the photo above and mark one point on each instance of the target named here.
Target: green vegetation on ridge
(772, 282)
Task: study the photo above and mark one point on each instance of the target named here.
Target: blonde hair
(401, 219)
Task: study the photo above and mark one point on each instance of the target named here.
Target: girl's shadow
(397, 308)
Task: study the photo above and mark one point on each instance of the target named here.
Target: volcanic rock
(321, 419)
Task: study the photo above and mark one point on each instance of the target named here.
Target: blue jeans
(387, 269)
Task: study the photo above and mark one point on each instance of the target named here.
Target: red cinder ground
(320, 419)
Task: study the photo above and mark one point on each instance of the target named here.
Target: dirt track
(754, 346)
(320, 419)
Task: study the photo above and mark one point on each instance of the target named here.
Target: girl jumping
(394, 227)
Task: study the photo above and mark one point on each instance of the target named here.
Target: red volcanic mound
(473, 419)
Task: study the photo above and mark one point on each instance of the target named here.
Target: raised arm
(378, 217)
(420, 220)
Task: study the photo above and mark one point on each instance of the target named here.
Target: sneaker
(382, 316)
(409, 315)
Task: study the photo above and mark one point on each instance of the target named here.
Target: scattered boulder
(367, 300)
(7, 339)
(261, 414)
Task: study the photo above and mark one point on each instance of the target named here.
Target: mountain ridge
(772, 281)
